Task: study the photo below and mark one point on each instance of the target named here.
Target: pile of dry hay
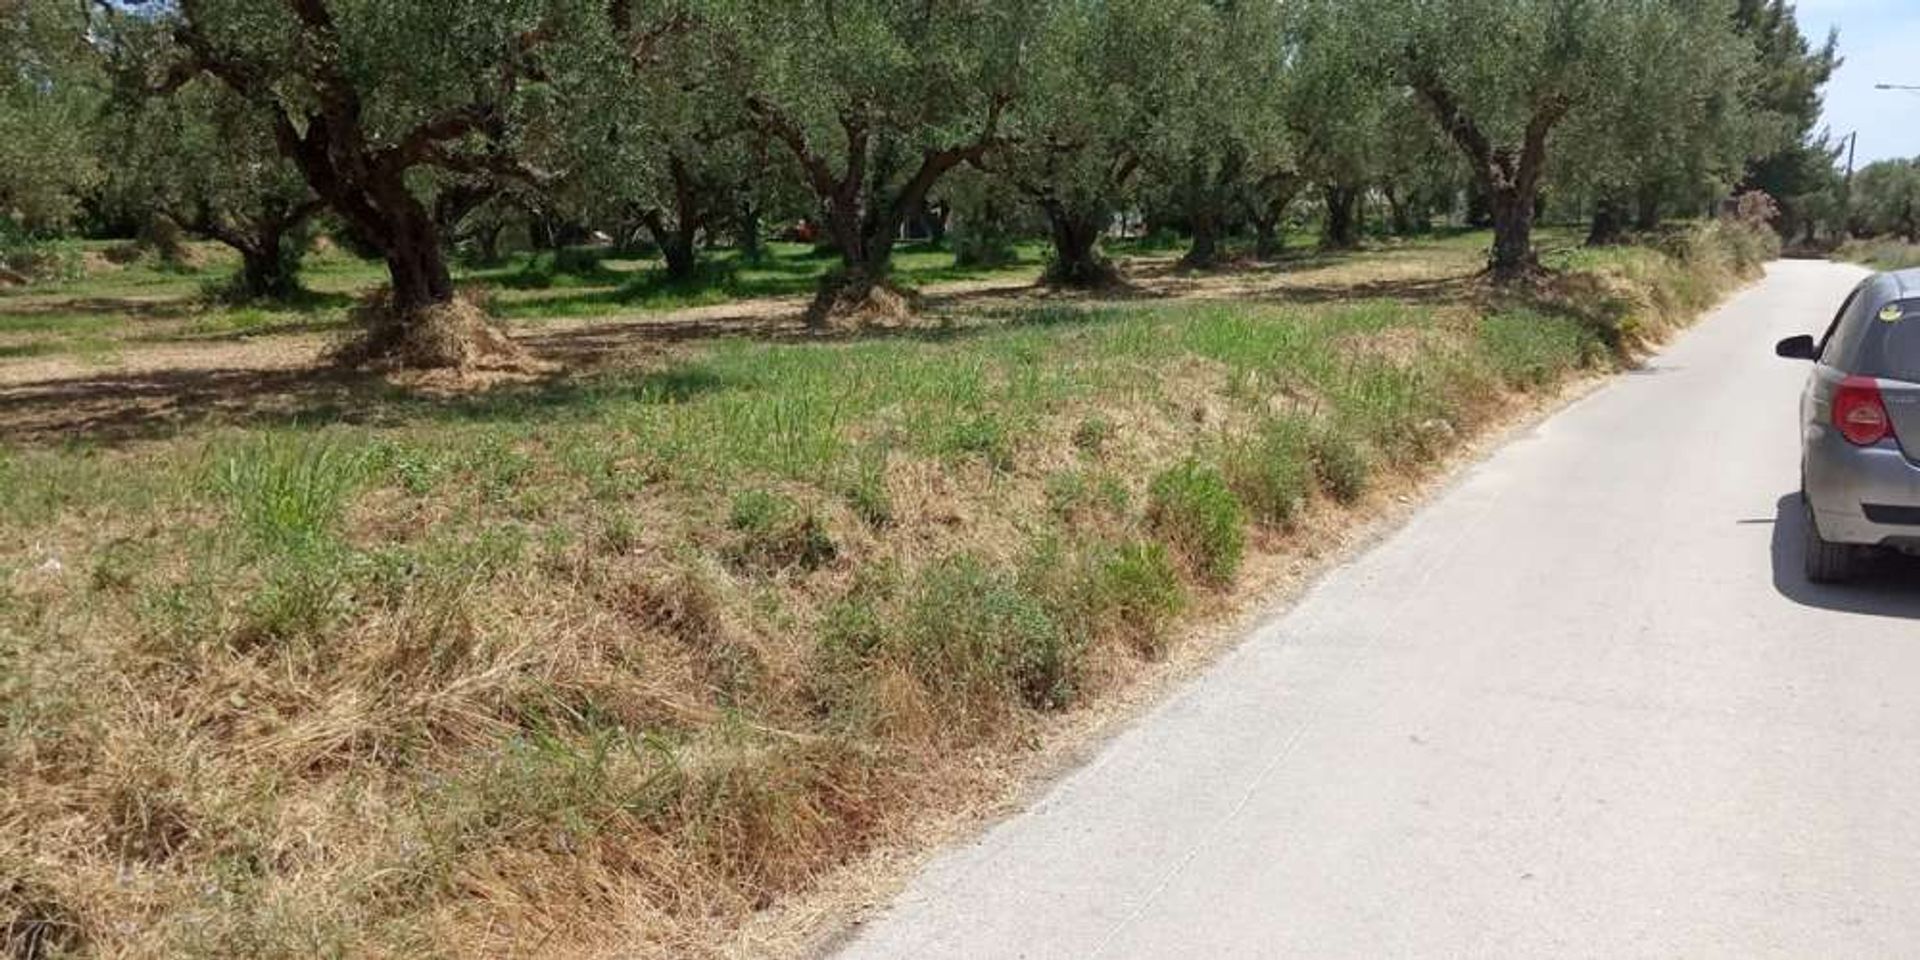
(454, 335)
(877, 304)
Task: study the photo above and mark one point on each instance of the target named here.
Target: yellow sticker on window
(1892, 313)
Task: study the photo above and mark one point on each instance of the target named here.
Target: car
(1860, 420)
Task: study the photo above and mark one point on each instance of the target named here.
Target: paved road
(1583, 704)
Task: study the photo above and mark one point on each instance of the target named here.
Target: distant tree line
(416, 132)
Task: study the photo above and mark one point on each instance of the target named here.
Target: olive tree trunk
(1609, 224)
(1509, 174)
(1341, 231)
(1077, 261)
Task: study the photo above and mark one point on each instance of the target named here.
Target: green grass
(1883, 253)
(147, 302)
(1191, 507)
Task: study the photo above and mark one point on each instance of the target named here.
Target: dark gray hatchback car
(1860, 420)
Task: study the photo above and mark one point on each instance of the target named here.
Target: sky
(1880, 40)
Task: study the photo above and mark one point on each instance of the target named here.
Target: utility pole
(1846, 186)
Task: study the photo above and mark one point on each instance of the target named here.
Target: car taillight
(1859, 412)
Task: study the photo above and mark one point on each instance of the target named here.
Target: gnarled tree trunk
(1399, 212)
(678, 240)
(1609, 224)
(1341, 231)
(1203, 252)
(1269, 240)
(862, 218)
(1647, 217)
(1510, 175)
(266, 270)
(747, 231)
(1513, 255)
(270, 244)
(1076, 247)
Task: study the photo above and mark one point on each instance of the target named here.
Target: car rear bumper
(1862, 495)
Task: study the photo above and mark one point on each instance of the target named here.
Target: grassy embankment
(615, 661)
(1884, 253)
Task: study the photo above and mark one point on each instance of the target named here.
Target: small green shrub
(1066, 491)
(301, 596)
(1341, 464)
(1091, 434)
(288, 493)
(118, 565)
(983, 435)
(979, 635)
(1192, 510)
(567, 266)
(758, 511)
(1135, 593)
(773, 532)
(866, 491)
(414, 469)
(1271, 471)
(619, 532)
(1080, 495)
(853, 629)
(1532, 349)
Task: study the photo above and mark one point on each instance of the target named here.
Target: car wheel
(1827, 562)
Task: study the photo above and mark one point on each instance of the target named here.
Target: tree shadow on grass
(114, 409)
(1424, 291)
(138, 308)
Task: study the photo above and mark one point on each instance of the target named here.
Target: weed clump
(1193, 510)
(773, 533)
(1091, 434)
(1341, 464)
(985, 436)
(286, 493)
(866, 491)
(34, 924)
(1271, 471)
(1135, 593)
(287, 496)
(977, 636)
(1528, 349)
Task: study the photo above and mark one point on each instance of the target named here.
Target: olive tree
(1679, 129)
(1500, 79)
(1337, 109)
(1102, 74)
(654, 141)
(361, 95)
(206, 160)
(51, 87)
(1886, 199)
(1216, 126)
(874, 102)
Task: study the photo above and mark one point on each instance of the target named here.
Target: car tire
(1827, 562)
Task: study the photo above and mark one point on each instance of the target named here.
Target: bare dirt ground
(150, 388)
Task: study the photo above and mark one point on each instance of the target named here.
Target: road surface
(1582, 704)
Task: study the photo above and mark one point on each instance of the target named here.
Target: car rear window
(1890, 342)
